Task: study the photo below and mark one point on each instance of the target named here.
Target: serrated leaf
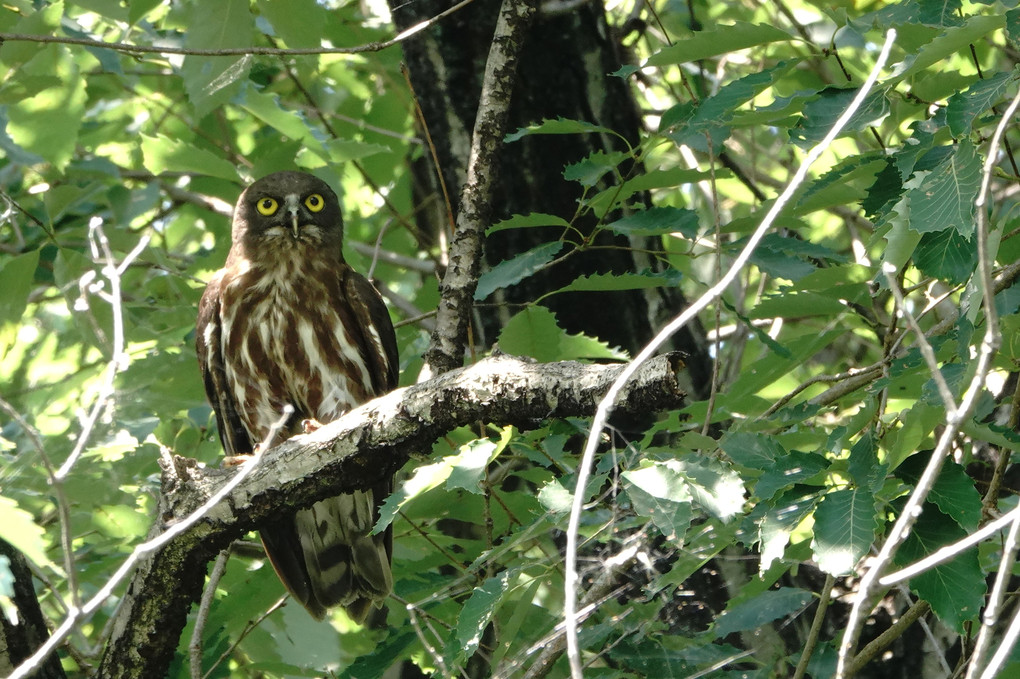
(752, 614)
(844, 529)
(479, 609)
(821, 114)
(602, 282)
(945, 198)
(555, 498)
(794, 467)
(884, 192)
(518, 268)
(657, 221)
(527, 221)
(952, 41)
(964, 107)
(162, 154)
(661, 494)
(588, 171)
(953, 492)
(946, 255)
(534, 332)
(955, 589)
(756, 451)
(558, 126)
(722, 40)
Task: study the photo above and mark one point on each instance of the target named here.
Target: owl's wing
(379, 342)
(208, 346)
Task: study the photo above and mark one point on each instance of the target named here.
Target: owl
(287, 321)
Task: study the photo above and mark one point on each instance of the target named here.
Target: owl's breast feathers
(296, 340)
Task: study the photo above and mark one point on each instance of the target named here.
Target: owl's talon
(310, 425)
(236, 460)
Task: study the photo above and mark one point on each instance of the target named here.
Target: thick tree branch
(446, 350)
(354, 452)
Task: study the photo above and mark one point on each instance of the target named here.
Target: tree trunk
(564, 72)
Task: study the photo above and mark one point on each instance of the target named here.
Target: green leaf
(755, 451)
(1013, 27)
(162, 154)
(213, 81)
(470, 463)
(661, 493)
(534, 332)
(725, 39)
(955, 589)
(527, 221)
(954, 40)
(17, 276)
(953, 491)
(515, 270)
(787, 512)
(555, 498)
(844, 529)
(657, 221)
(964, 107)
(558, 126)
(24, 534)
(796, 305)
(590, 170)
(946, 255)
(821, 114)
(945, 197)
(478, 611)
(760, 610)
(298, 22)
(603, 282)
(48, 123)
(863, 465)
(789, 469)
(713, 485)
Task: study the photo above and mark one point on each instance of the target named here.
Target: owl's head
(288, 209)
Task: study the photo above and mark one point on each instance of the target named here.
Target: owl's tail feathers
(331, 558)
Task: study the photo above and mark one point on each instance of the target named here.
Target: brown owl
(286, 321)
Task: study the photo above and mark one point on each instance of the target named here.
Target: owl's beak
(292, 206)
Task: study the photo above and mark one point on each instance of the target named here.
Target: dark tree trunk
(20, 638)
(564, 72)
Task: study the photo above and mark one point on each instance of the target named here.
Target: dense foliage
(846, 349)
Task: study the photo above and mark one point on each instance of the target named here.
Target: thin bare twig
(195, 646)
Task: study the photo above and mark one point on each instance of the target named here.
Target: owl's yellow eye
(315, 202)
(266, 206)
